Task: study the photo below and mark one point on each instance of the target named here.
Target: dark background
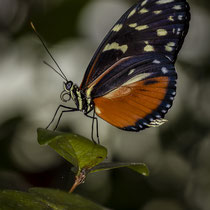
(177, 153)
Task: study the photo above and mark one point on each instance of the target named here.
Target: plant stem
(79, 179)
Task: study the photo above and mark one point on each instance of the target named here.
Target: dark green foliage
(43, 199)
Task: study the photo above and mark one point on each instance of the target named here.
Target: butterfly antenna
(61, 74)
(54, 70)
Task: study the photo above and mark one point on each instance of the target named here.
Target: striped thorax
(72, 91)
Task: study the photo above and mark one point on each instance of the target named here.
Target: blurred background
(177, 153)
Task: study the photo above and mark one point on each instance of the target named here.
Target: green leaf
(44, 199)
(79, 151)
(85, 155)
(19, 200)
(141, 168)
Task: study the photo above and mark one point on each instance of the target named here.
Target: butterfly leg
(64, 111)
(92, 130)
(60, 106)
(97, 133)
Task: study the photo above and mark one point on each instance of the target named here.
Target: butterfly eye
(67, 86)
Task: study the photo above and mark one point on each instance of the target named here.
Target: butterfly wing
(149, 26)
(136, 92)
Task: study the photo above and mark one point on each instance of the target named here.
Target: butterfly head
(66, 93)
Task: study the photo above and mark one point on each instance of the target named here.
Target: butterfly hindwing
(149, 26)
(137, 96)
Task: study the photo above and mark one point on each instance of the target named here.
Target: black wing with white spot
(158, 26)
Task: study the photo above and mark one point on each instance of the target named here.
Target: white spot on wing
(164, 1)
(171, 18)
(169, 46)
(164, 70)
(115, 46)
(132, 13)
(156, 61)
(157, 12)
(131, 71)
(138, 28)
(177, 7)
(162, 32)
(168, 106)
(157, 122)
(144, 2)
(117, 27)
(142, 27)
(137, 78)
(133, 25)
(143, 10)
(149, 48)
(178, 31)
(180, 17)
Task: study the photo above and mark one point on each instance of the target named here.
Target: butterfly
(131, 79)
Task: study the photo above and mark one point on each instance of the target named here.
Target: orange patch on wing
(126, 105)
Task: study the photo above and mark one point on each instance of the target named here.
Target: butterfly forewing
(149, 26)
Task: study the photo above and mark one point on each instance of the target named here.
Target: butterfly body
(131, 79)
(82, 102)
